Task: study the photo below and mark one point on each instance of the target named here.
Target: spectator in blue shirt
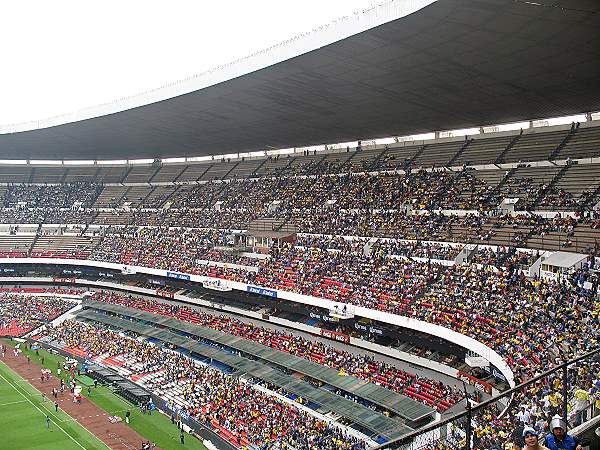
(559, 439)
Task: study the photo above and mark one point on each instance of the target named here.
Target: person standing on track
(47, 421)
(56, 406)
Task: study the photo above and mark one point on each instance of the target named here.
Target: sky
(60, 56)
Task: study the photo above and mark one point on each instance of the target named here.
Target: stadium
(382, 234)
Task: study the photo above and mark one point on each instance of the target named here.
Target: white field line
(12, 403)
(45, 414)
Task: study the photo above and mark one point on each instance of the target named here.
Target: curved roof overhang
(401, 68)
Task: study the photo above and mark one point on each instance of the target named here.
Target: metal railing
(489, 424)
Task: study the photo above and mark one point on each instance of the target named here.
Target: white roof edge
(341, 28)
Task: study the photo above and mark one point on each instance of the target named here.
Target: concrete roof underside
(452, 64)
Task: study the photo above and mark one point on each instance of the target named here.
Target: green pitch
(156, 427)
(23, 419)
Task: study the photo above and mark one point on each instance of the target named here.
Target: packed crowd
(19, 314)
(297, 196)
(489, 304)
(503, 256)
(67, 195)
(530, 322)
(362, 366)
(472, 301)
(168, 248)
(182, 249)
(221, 401)
(46, 215)
(357, 204)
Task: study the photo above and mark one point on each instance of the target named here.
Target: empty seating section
(140, 174)
(218, 170)
(585, 143)
(135, 195)
(15, 174)
(47, 175)
(246, 168)
(113, 217)
(158, 196)
(64, 246)
(193, 172)
(16, 246)
(483, 150)
(490, 177)
(80, 174)
(111, 174)
(110, 196)
(535, 146)
(167, 173)
(438, 154)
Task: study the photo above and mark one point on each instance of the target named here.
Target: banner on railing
(336, 336)
(368, 329)
(64, 280)
(178, 276)
(164, 293)
(261, 291)
(323, 317)
(495, 373)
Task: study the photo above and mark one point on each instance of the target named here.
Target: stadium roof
(451, 64)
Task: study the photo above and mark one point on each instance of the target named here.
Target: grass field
(156, 427)
(23, 419)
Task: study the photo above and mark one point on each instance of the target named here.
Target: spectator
(559, 438)
(531, 439)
